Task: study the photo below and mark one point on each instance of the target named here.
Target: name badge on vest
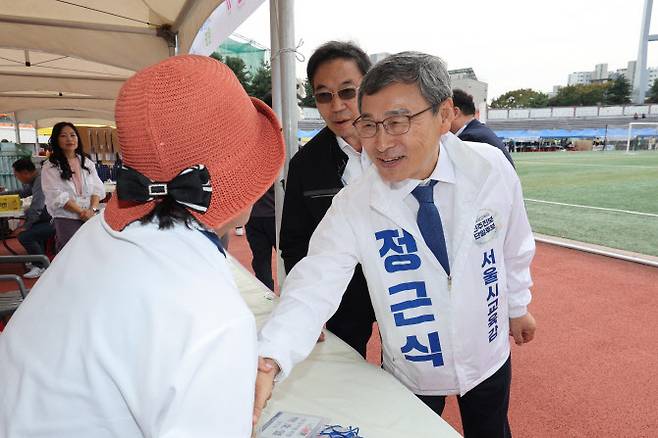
(485, 227)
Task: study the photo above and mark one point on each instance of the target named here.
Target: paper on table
(288, 424)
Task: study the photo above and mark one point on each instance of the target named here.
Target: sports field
(607, 198)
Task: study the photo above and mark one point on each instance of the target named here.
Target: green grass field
(609, 180)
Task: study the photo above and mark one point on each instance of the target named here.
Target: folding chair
(9, 301)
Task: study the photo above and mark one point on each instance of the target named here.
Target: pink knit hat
(188, 111)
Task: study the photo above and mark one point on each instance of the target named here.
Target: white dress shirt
(357, 162)
(58, 191)
(464, 127)
(444, 173)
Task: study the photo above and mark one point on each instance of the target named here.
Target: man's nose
(337, 103)
(383, 140)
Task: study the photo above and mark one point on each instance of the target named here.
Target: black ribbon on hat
(190, 188)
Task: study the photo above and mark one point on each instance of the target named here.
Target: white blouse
(59, 191)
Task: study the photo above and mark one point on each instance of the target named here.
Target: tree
(618, 91)
(653, 93)
(580, 95)
(308, 100)
(521, 98)
(261, 83)
(238, 66)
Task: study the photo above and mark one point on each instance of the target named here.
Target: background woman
(70, 183)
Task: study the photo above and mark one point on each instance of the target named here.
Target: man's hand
(267, 371)
(522, 328)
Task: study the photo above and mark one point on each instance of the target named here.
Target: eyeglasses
(394, 125)
(327, 96)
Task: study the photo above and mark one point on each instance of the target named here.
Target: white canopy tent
(77, 53)
(68, 58)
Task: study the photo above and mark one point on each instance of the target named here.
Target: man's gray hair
(427, 71)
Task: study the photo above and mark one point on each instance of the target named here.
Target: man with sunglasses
(327, 163)
(440, 228)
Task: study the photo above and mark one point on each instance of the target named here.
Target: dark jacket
(264, 207)
(481, 133)
(314, 177)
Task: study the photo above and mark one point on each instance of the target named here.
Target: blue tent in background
(304, 136)
(612, 133)
(532, 135)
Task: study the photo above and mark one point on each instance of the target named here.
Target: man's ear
(446, 115)
(448, 111)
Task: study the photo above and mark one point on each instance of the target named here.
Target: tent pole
(17, 128)
(289, 108)
(282, 15)
(36, 137)
(275, 61)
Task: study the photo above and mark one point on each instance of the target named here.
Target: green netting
(252, 56)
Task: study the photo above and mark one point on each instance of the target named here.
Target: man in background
(37, 228)
(261, 231)
(468, 128)
(261, 235)
(331, 160)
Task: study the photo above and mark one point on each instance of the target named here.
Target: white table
(12, 214)
(336, 383)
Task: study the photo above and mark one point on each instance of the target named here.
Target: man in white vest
(441, 232)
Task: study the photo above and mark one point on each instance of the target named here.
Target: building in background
(580, 78)
(601, 74)
(556, 89)
(465, 79)
(376, 57)
(629, 71)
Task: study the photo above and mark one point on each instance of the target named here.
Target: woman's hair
(57, 157)
(168, 212)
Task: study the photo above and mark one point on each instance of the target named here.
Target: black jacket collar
(326, 141)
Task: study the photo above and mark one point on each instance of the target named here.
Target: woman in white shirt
(70, 183)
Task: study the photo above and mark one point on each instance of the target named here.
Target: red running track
(592, 370)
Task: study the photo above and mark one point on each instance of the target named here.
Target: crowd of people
(404, 210)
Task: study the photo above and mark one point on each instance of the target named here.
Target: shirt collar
(444, 172)
(464, 127)
(346, 147)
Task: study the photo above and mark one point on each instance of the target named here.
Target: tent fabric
(85, 50)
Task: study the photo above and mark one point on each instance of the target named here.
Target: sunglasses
(327, 96)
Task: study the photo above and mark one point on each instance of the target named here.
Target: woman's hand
(86, 214)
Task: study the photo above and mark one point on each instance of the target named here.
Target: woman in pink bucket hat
(137, 329)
